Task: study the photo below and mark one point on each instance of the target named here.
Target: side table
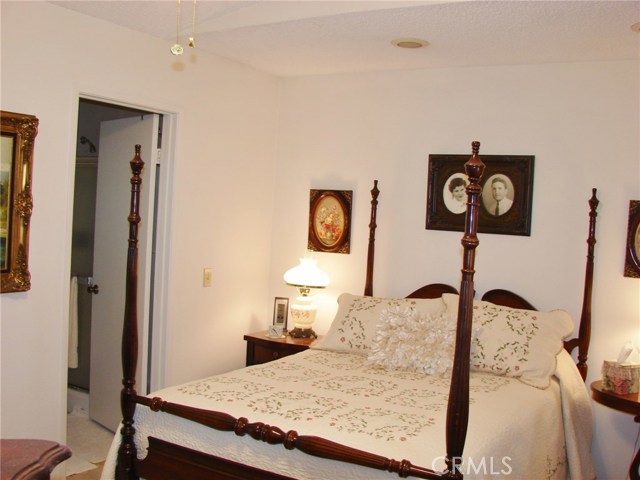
(623, 403)
(262, 349)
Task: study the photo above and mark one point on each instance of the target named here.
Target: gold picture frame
(16, 201)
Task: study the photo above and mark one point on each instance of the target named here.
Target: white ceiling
(306, 37)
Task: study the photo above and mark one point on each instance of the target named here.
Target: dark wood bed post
(368, 286)
(127, 452)
(458, 404)
(584, 333)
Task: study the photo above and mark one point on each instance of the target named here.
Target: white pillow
(409, 340)
(514, 342)
(354, 326)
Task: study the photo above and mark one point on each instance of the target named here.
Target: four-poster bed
(350, 391)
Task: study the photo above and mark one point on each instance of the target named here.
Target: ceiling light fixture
(409, 43)
(177, 48)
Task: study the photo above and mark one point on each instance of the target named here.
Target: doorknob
(95, 289)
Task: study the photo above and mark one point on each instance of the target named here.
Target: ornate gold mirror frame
(16, 202)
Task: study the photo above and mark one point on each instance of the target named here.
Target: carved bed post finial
(584, 334)
(127, 452)
(458, 404)
(368, 285)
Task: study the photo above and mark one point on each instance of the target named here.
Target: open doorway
(94, 119)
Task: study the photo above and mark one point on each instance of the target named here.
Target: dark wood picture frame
(508, 175)
(281, 312)
(330, 221)
(632, 254)
(16, 201)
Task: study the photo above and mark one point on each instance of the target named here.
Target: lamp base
(302, 333)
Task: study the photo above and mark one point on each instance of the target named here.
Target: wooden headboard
(510, 299)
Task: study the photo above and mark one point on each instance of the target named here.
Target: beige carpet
(89, 443)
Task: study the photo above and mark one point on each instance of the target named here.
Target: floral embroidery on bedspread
(356, 385)
(296, 405)
(334, 360)
(418, 398)
(554, 466)
(235, 389)
(286, 372)
(379, 371)
(381, 424)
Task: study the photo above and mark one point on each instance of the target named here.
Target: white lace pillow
(354, 326)
(409, 340)
(514, 342)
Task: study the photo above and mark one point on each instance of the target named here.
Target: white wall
(579, 120)
(222, 197)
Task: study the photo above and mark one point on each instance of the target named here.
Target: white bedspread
(515, 430)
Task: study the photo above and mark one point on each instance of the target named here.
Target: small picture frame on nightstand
(281, 312)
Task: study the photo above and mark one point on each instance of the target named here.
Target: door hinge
(158, 157)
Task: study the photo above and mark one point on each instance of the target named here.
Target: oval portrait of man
(454, 193)
(498, 195)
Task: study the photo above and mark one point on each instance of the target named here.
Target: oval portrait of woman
(498, 194)
(454, 193)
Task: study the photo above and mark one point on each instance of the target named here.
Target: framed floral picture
(330, 221)
(16, 201)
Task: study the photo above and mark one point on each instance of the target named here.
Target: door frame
(152, 348)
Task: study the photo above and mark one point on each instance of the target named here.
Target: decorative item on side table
(618, 389)
(304, 277)
(629, 403)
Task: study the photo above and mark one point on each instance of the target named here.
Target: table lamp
(304, 277)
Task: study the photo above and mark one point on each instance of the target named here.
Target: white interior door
(117, 147)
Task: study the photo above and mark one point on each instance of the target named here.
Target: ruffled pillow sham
(409, 340)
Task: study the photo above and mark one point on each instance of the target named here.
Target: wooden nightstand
(622, 403)
(262, 349)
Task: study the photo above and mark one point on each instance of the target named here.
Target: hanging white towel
(73, 324)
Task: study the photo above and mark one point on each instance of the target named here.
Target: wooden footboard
(167, 460)
(290, 440)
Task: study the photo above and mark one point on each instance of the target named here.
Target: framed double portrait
(505, 201)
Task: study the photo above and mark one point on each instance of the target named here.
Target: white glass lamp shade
(305, 276)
